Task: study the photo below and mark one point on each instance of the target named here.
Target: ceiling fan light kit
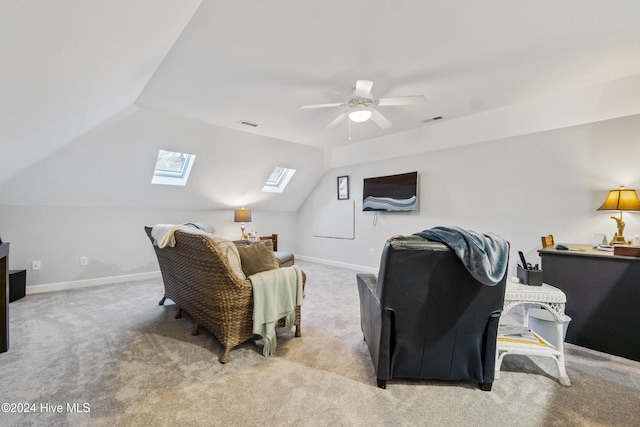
(360, 116)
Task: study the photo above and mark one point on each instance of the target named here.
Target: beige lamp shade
(621, 200)
(242, 215)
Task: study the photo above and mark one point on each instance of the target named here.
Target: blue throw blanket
(485, 255)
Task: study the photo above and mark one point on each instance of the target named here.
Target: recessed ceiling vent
(247, 123)
(432, 119)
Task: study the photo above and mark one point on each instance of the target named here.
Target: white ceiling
(259, 61)
(94, 86)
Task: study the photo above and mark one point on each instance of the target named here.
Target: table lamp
(242, 215)
(620, 200)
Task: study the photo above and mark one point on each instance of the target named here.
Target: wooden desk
(4, 297)
(603, 297)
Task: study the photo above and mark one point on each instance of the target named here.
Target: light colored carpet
(114, 351)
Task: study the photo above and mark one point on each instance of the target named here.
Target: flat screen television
(391, 193)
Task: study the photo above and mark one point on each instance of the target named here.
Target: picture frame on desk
(343, 187)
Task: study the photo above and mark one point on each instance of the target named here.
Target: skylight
(172, 168)
(278, 180)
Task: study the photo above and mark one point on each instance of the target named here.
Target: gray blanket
(485, 255)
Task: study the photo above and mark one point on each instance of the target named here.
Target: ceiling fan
(361, 105)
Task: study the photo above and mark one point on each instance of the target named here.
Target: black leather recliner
(425, 316)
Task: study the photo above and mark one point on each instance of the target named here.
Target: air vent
(433, 119)
(246, 123)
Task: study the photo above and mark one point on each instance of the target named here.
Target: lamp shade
(621, 200)
(242, 215)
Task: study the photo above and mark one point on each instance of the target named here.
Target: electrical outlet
(35, 265)
(371, 252)
(84, 260)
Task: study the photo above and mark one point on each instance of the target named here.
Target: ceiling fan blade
(363, 88)
(380, 120)
(333, 104)
(402, 100)
(337, 120)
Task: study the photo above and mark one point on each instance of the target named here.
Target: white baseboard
(37, 289)
(61, 286)
(355, 267)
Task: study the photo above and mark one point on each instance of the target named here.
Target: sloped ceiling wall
(68, 66)
(72, 135)
(113, 165)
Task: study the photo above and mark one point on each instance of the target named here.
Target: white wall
(113, 239)
(520, 188)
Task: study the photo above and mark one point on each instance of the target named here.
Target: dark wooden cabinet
(4, 297)
(603, 297)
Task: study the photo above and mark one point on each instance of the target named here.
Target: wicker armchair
(198, 278)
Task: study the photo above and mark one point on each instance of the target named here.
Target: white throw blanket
(163, 233)
(276, 293)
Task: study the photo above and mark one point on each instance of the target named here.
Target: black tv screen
(391, 193)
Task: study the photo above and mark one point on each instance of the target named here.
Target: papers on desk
(520, 335)
(598, 239)
(605, 248)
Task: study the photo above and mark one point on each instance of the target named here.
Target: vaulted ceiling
(91, 87)
(260, 61)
